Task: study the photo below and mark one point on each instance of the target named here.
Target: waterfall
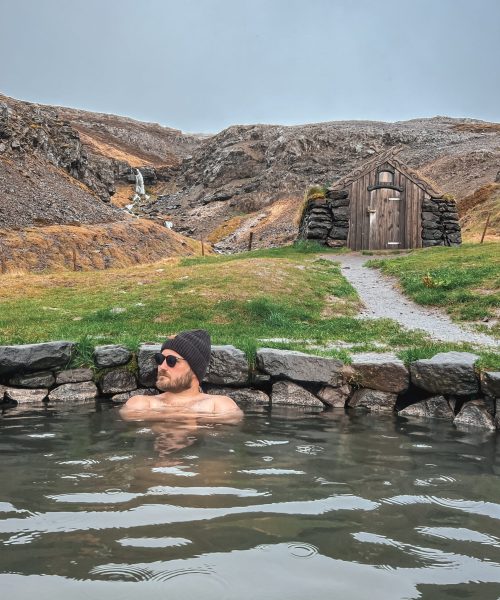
(139, 183)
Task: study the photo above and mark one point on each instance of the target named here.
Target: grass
(287, 297)
(464, 280)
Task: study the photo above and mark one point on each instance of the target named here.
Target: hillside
(61, 166)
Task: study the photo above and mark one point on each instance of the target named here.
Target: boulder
(74, 376)
(228, 366)
(35, 357)
(336, 397)
(490, 383)
(42, 379)
(244, 396)
(446, 373)
(26, 396)
(436, 407)
(124, 396)
(74, 393)
(111, 355)
(474, 414)
(383, 372)
(118, 381)
(298, 366)
(148, 369)
(373, 400)
(291, 394)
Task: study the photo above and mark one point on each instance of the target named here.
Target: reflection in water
(288, 504)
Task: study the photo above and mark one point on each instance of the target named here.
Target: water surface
(288, 504)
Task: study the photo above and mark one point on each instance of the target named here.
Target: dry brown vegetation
(474, 211)
(478, 127)
(89, 247)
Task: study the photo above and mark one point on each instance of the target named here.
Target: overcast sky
(202, 65)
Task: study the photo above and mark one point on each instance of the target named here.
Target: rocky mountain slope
(64, 166)
(246, 169)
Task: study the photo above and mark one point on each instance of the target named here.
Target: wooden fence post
(202, 246)
(485, 227)
(250, 240)
(74, 259)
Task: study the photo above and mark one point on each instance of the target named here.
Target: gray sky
(202, 65)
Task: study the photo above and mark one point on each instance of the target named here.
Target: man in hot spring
(182, 364)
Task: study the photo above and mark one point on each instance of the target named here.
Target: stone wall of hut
(326, 220)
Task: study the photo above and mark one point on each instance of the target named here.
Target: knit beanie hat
(195, 347)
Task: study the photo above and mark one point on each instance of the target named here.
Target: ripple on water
(271, 472)
(461, 534)
(263, 443)
(165, 542)
(302, 550)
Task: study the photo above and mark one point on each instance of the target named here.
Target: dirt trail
(382, 299)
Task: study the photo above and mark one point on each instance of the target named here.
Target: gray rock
(373, 400)
(148, 369)
(490, 383)
(124, 396)
(42, 379)
(74, 376)
(26, 396)
(436, 407)
(446, 373)
(335, 396)
(291, 394)
(337, 194)
(338, 233)
(339, 202)
(474, 414)
(430, 216)
(74, 393)
(383, 372)
(2, 393)
(111, 355)
(240, 395)
(299, 366)
(431, 234)
(35, 357)
(228, 366)
(118, 381)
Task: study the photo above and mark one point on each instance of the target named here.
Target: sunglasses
(170, 359)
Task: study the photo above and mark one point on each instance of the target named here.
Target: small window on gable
(385, 177)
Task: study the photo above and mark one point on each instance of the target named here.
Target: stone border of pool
(446, 386)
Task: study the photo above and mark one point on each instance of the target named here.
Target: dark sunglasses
(171, 359)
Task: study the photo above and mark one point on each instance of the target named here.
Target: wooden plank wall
(410, 211)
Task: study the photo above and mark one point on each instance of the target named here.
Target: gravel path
(382, 299)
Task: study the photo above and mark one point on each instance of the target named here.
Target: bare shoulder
(225, 404)
(136, 403)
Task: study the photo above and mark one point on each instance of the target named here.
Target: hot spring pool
(288, 504)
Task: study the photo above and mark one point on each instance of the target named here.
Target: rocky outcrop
(446, 373)
(111, 355)
(373, 400)
(435, 407)
(298, 366)
(280, 377)
(35, 357)
(383, 372)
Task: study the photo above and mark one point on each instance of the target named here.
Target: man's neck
(181, 398)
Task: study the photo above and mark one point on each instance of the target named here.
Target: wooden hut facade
(382, 205)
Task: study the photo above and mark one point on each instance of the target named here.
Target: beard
(181, 384)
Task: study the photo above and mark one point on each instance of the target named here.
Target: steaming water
(286, 505)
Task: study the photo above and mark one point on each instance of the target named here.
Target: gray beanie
(195, 347)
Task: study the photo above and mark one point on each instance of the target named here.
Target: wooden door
(384, 219)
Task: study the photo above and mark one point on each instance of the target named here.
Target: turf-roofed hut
(382, 205)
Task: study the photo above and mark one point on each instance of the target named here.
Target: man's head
(192, 349)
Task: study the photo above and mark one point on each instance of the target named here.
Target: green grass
(243, 299)
(465, 280)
